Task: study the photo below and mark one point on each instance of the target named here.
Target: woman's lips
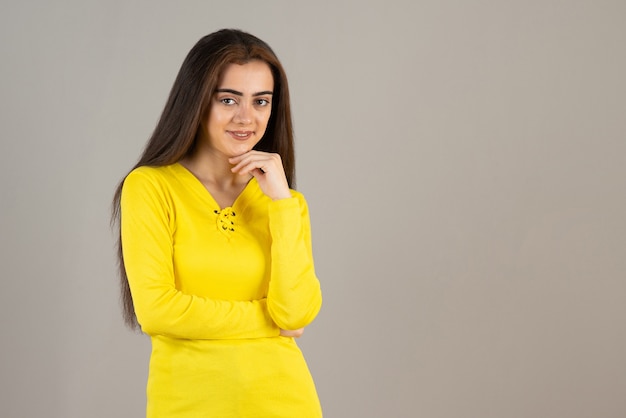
(241, 135)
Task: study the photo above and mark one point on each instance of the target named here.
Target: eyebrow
(238, 93)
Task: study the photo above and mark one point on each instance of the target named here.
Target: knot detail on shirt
(226, 220)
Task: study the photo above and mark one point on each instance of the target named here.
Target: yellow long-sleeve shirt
(212, 287)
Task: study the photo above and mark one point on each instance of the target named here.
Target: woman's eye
(227, 101)
(262, 102)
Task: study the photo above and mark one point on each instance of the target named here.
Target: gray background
(465, 164)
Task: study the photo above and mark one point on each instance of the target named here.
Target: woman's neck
(214, 171)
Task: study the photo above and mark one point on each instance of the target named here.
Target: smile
(241, 134)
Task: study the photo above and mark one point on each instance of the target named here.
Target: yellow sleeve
(294, 296)
(147, 227)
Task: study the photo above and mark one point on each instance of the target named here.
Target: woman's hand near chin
(268, 170)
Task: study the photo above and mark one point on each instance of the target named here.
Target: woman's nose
(244, 114)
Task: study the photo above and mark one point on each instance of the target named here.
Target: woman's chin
(237, 151)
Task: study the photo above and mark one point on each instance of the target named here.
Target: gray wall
(465, 164)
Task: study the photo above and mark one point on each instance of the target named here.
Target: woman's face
(240, 109)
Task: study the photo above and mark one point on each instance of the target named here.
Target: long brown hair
(176, 132)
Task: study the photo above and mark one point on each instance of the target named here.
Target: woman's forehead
(250, 77)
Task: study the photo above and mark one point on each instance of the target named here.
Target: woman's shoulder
(153, 173)
(151, 177)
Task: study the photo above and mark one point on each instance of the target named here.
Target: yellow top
(212, 287)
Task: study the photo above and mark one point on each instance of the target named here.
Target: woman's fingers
(252, 160)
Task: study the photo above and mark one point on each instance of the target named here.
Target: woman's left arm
(294, 297)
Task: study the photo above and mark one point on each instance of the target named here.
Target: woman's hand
(267, 168)
(296, 333)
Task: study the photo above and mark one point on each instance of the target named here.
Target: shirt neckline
(204, 193)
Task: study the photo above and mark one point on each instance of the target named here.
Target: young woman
(215, 247)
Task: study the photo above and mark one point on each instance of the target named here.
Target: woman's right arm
(161, 309)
